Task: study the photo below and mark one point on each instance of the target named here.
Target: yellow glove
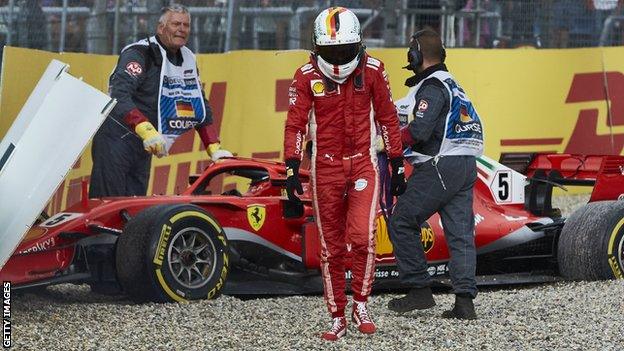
(216, 152)
(153, 142)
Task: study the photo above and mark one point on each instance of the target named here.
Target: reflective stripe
(327, 284)
(368, 277)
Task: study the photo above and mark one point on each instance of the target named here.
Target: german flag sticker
(464, 117)
(184, 109)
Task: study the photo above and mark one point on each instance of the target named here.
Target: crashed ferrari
(233, 231)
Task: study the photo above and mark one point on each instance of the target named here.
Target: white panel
(61, 124)
(55, 68)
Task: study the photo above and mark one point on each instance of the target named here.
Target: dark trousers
(120, 166)
(425, 195)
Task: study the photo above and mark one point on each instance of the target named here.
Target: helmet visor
(338, 54)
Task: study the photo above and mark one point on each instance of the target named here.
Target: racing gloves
(153, 141)
(397, 181)
(292, 180)
(216, 152)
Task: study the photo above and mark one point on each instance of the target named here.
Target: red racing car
(233, 231)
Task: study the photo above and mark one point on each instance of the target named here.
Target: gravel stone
(559, 316)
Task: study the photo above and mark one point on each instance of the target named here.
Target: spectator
(573, 26)
(31, 25)
(603, 9)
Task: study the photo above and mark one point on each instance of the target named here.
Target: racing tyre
(591, 244)
(172, 253)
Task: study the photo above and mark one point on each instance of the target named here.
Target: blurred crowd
(464, 23)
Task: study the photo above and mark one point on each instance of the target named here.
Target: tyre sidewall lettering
(163, 277)
(614, 245)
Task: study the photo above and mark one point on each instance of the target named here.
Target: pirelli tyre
(172, 253)
(591, 244)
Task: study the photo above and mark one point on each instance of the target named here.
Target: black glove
(397, 182)
(292, 180)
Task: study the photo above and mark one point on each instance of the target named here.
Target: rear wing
(605, 173)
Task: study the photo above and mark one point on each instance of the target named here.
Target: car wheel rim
(192, 256)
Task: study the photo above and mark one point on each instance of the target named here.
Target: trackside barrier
(530, 100)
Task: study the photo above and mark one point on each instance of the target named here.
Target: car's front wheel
(172, 253)
(591, 244)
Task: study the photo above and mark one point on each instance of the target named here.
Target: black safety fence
(106, 26)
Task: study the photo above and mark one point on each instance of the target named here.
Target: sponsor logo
(615, 250)
(386, 137)
(464, 117)
(423, 105)
(134, 68)
(513, 218)
(585, 137)
(318, 88)
(162, 244)
(440, 269)
(182, 124)
(621, 197)
(402, 119)
(384, 246)
(298, 142)
(256, 214)
(6, 314)
(224, 272)
(617, 272)
(292, 96)
(172, 81)
(41, 246)
(189, 81)
(188, 71)
(379, 273)
(427, 237)
(472, 127)
(360, 184)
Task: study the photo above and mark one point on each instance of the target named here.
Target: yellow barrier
(529, 100)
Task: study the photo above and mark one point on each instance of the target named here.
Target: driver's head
(337, 39)
(425, 49)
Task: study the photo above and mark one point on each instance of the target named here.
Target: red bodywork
(50, 247)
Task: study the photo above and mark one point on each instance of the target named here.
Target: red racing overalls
(344, 122)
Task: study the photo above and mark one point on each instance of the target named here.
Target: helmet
(336, 26)
(337, 42)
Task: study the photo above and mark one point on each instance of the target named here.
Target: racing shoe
(416, 299)
(338, 329)
(360, 317)
(463, 309)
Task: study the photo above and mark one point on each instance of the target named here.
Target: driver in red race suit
(349, 96)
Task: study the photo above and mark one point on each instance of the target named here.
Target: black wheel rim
(192, 256)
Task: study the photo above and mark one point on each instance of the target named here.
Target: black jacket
(432, 106)
(135, 83)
